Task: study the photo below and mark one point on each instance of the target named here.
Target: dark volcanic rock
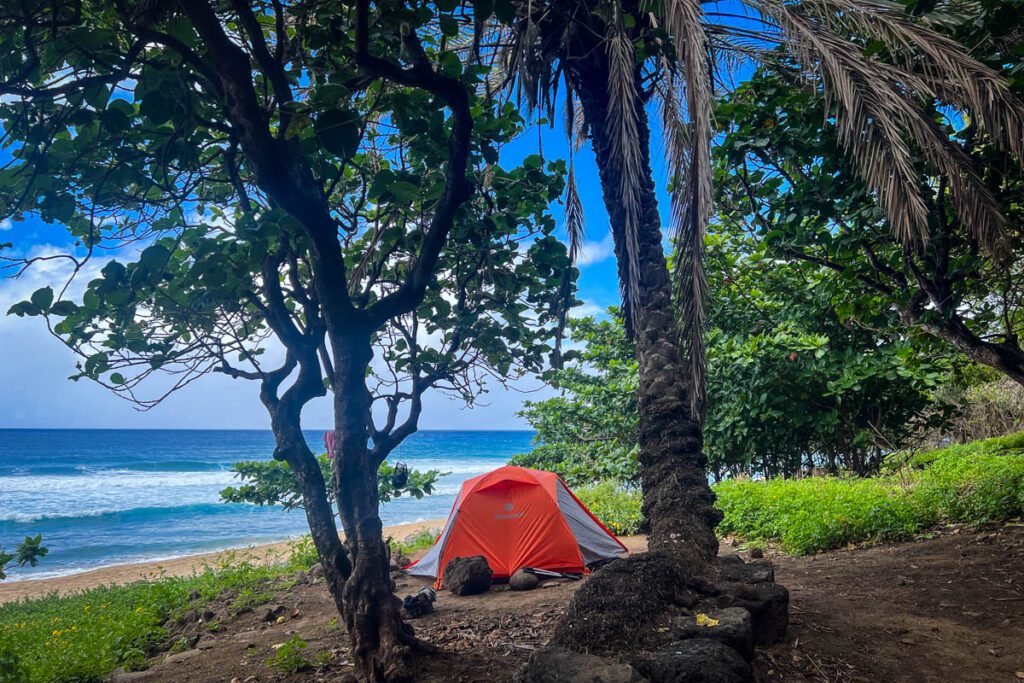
(751, 572)
(734, 628)
(523, 581)
(558, 665)
(698, 660)
(756, 553)
(730, 558)
(468, 575)
(768, 604)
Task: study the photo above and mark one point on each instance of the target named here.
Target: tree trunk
(678, 504)
(379, 638)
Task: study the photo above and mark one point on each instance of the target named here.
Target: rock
(734, 628)
(756, 553)
(208, 615)
(189, 617)
(557, 665)
(316, 571)
(301, 578)
(193, 595)
(523, 581)
(750, 572)
(698, 660)
(468, 575)
(273, 613)
(730, 558)
(768, 604)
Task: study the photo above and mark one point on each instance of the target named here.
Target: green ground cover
(973, 483)
(83, 637)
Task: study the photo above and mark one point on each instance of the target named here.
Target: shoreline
(268, 553)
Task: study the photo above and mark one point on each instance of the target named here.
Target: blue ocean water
(103, 497)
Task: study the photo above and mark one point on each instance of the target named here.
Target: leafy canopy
(789, 381)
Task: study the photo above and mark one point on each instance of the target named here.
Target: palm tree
(884, 75)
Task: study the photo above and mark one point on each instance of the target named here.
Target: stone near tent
(523, 581)
(768, 604)
(557, 665)
(731, 626)
(698, 660)
(468, 575)
(730, 558)
(756, 553)
(750, 572)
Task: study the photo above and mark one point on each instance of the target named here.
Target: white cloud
(5, 224)
(595, 252)
(588, 308)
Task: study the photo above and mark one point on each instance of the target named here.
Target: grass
(973, 483)
(83, 637)
(417, 541)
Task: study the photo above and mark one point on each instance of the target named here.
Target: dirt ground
(949, 608)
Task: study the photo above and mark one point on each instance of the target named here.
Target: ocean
(105, 497)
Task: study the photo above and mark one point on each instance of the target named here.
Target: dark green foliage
(790, 384)
(782, 177)
(274, 483)
(27, 552)
(588, 433)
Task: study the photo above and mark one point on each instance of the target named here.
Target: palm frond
(573, 213)
(689, 153)
(882, 107)
(623, 126)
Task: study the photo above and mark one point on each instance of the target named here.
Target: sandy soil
(181, 566)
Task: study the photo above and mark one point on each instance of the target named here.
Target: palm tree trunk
(678, 504)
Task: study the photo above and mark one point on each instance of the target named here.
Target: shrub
(617, 506)
(971, 483)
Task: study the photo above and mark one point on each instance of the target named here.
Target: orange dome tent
(517, 517)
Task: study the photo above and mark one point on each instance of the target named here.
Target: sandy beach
(180, 566)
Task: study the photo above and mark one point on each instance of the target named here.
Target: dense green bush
(971, 483)
(82, 637)
(617, 507)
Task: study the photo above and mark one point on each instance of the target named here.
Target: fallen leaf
(705, 620)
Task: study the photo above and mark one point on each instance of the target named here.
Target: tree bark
(678, 504)
(381, 641)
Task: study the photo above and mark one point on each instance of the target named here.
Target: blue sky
(35, 391)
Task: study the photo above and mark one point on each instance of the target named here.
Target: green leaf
(338, 131)
(43, 298)
(403, 191)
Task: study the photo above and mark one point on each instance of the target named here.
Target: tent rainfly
(517, 517)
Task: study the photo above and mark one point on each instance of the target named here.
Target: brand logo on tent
(509, 507)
